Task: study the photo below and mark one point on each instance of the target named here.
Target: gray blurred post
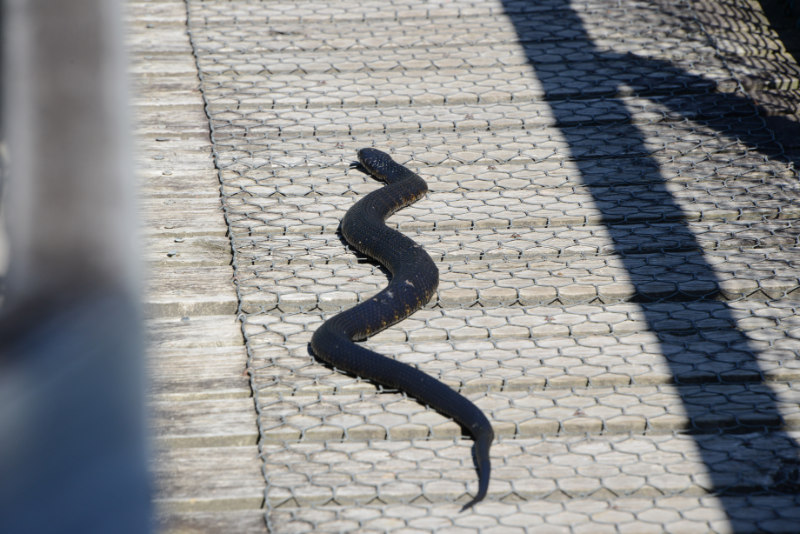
(72, 448)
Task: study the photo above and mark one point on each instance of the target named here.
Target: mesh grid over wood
(614, 211)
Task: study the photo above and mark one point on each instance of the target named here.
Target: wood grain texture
(241, 522)
(208, 479)
(202, 417)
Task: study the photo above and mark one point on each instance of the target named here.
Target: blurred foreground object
(72, 426)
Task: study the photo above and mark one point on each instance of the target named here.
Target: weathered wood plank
(181, 216)
(181, 291)
(149, 97)
(173, 160)
(240, 522)
(198, 374)
(192, 139)
(171, 122)
(147, 64)
(204, 423)
(196, 351)
(155, 183)
(168, 251)
(145, 36)
(196, 357)
(177, 333)
(171, 12)
(204, 479)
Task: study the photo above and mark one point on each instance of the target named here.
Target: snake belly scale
(413, 283)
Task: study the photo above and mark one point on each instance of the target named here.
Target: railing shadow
(680, 267)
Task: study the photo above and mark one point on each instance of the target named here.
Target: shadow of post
(672, 278)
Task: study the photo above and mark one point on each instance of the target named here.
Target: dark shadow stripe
(722, 465)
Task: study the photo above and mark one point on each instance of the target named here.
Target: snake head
(382, 167)
(379, 164)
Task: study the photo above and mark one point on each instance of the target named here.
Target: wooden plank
(202, 479)
(198, 374)
(145, 36)
(181, 291)
(168, 251)
(157, 12)
(152, 97)
(198, 357)
(204, 423)
(241, 522)
(196, 351)
(198, 183)
(148, 64)
(171, 122)
(169, 161)
(182, 216)
(190, 139)
(177, 333)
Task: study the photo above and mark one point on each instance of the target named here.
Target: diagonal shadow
(674, 278)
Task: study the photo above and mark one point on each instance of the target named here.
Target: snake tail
(414, 281)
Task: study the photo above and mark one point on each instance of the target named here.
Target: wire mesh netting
(613, 209)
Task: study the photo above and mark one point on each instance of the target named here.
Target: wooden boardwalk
(615, 212)
(204, 424)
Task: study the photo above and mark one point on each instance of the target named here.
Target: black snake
(414, 281)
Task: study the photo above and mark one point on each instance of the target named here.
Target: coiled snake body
(414, 281)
